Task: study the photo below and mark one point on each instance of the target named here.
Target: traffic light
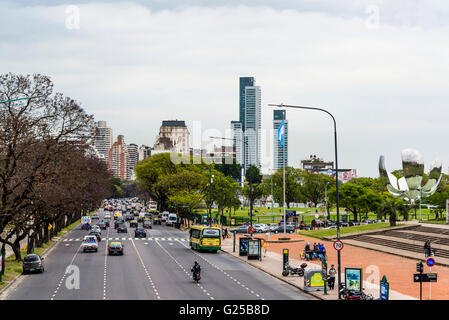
(419, 267)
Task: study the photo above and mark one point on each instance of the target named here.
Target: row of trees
(186, 187)
(48, 173)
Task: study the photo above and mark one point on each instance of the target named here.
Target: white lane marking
(176, 261)
(213, 265)
(105, 267)
(145, 269)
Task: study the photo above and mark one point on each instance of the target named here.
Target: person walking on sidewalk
(427, 249)
(264, 246)
(331, 278)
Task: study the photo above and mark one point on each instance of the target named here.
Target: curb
(47, 252)
(278, 277)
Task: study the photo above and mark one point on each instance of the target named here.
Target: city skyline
(380, 79)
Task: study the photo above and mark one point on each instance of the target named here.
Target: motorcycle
(292, 270)
(196, 276)
(348, 294)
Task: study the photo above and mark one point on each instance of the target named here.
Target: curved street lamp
(336, 176)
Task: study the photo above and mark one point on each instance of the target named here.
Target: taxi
(115, 247)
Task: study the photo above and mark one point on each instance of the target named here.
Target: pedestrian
(264, 246)
(331, 277)
(427, 249)
(307, 252)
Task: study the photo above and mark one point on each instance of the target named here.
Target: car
(344, 224)
(122, 228)
(157, 220)
(96, 233)
(140, 232)
(261, 228)
(353, 223)
(288, 229)
(32, 263)
(133, 224)
(102, 225)
(107, 215)
(171, 219)
(118, 222)
(95, 216)
(129, 217)
(107, 222)
(240, 229)
(115, 247)
(90, 243)
(272, 226)
(147, 224)
(164, 216)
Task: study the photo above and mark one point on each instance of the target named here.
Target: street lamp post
(250, 184)
(325, 204)
(336, 177)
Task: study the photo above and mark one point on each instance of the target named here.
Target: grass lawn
(333, 232)
(13, 268)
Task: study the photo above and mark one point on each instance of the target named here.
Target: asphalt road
(157, 267)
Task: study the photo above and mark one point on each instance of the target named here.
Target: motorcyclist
(196, 268)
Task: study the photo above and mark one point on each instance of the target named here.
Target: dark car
(157, 220)
(122, 228)
(96, 233)
(102, 225)
(32, 263)
(147, 224)
(129, 217)
(240, 229)
(107, 222)
(115, 247)
(353, 223)
(140, 232)
(118, 222)
(133, 224)
(288, 229)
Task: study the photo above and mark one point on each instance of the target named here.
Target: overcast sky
(381, 67)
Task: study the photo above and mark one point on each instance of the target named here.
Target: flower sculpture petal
(409, 187)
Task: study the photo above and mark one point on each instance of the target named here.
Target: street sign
(384, 289)
(251, 230)
(425, 277)
(285, 259)
(430, 262)
(338, 245)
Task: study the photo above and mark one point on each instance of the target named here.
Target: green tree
(312, 186)
(292, 190)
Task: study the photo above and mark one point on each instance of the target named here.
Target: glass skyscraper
(244, 82)
(280, 154)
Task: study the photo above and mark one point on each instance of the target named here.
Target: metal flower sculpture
(409, 186)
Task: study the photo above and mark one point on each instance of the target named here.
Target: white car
(261, 228)
(164, 216)
(272, 226)
(90, 243)
(107, 215)
(172, 218)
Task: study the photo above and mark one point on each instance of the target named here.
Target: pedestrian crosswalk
(129, 238)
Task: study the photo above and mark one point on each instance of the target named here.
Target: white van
(172, 218)
(164, 216)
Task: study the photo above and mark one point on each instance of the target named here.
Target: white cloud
(134, 66)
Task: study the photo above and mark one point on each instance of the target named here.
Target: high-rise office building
(243, 83)
(252, 126)
(237, 135)
(102, 139)
(246, 131)
(118, 159)
(280, 154)
(132, 159)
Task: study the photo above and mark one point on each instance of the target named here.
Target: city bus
(205, 238)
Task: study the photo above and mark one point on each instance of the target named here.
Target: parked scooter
(292, 270)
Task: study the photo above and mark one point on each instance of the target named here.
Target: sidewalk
(399, 271)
